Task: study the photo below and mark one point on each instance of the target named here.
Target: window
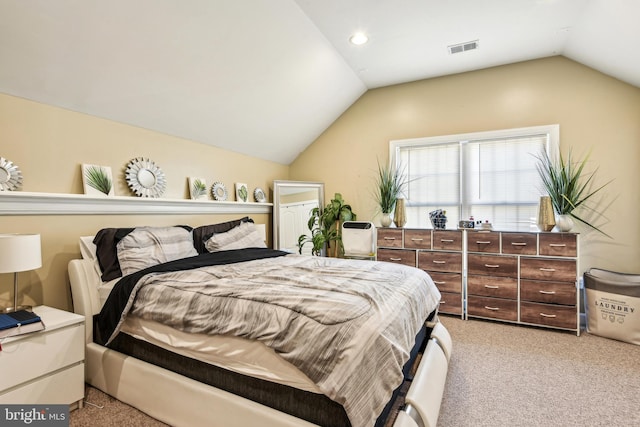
(491, 176)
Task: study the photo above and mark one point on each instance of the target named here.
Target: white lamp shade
(19, 252)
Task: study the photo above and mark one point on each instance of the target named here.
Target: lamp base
(18, 308)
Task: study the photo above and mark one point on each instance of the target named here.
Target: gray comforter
(347, 324)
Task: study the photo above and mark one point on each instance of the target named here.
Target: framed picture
(97, 180)
(197, 188)
(242, 192)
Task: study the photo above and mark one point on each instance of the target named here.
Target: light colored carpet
(500, 375)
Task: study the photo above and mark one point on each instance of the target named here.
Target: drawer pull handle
(491, 287)
(395, 259)
(557, 245)
(442, 302)
(551, 270)
(416, 239)
(482, 242)
(446, 240)
(492, 265)
(492, 308)
(548, 315)
(439, 283)
(389, 238)
(435, 261)
(518, 244)
(548, 292)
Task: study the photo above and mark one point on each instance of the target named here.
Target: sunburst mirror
(10, 175)
(145, 178)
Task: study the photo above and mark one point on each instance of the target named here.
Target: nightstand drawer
(560, 270)
(548, 292)
(519, 243)
(447, 282)
(488, 286)
(483, 241)
(46, 390)
(450, 303)
(558, 244)
(389, 237)
(493, 265)
(494, 308)
(447, 240)
(40, 353)
(398, 256)
(447, 262)
(549, 315)
(417, 239)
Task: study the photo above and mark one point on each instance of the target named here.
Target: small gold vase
(400, 217)
(546, 218)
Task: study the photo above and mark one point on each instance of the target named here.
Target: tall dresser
(524, 278)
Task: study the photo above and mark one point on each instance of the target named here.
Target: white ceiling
(266, 77)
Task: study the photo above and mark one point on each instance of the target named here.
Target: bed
(305, 340)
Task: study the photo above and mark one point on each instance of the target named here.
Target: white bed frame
(181, 401)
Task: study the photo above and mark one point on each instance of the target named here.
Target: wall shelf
(26, 203)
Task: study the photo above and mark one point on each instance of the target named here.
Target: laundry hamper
(612, 304)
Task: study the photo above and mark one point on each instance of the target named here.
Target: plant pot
(564, 223)
(386, 219)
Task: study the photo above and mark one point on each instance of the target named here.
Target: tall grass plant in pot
(390, 183)
(569, 187)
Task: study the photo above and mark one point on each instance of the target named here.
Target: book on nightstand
(19, 322)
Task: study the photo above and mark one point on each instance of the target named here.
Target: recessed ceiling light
(359, 38)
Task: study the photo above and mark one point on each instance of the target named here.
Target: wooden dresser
(524, 278)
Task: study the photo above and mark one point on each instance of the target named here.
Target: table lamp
(19, 252)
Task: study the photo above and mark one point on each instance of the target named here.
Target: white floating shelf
(24, 203)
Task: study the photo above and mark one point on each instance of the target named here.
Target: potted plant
(390, 184)
(325, 227)
(568, 187)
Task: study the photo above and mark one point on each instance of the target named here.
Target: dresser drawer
(389, 237)
(483, 241)
(23, 359)
(448, 262)
(559, 244)
(558, 316)
(494, 308)
(447, 282)
(417, 239)
(450, 303)
(447, 240)
(519, 243)
(548, 292)
(559, 270)
(488, 286)
(493, 265)
(398, 256)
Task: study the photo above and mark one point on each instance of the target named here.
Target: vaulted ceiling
(266, 77)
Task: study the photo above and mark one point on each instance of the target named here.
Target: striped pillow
(246, 235)
(147, 246)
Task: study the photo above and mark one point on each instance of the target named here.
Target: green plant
(567, 185)
(325, 227)
(390, 183)
(98, 178)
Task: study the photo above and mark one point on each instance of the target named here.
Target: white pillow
(88, 248)
(245, 235)
(147, 246)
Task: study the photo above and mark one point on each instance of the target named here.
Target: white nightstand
(45, 367)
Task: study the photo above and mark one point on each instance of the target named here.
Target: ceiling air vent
(463, 47)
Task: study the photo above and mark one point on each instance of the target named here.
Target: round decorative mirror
(219, 191)
(259, 195)
(10, 175)
(145, 178)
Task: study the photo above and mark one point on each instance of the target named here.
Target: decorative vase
(400, 217)
(386, 220)
(546, 220)
(564, 222)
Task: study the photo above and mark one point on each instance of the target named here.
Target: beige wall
(49, 144)
(595, 112)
